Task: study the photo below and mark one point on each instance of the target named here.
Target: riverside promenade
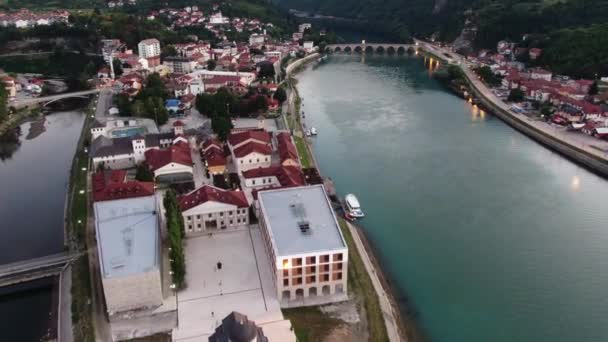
(584, 149)
(385, 299)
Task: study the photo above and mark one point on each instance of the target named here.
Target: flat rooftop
(127, 235)
(300, 220)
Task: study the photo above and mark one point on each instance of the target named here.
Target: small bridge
(32, 269)
(46, 100)
(369, 47)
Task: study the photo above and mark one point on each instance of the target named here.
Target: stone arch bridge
(369, 47)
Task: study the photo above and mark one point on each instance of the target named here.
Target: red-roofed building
(274, 176)
(287, 150)
(213, 153)
(534, 53)
(208, 209)
(174, 163)
(240, 138)
(250, 149)
(113, 185)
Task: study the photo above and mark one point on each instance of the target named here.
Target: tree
(211, 64)
(144, 174)
(117, 67)
(168, 51)
(280, 95)
(221, 125)
(3, 102)
(124, 104)
(488, 76)
(176, 233)
(265, 69)
(593, 88)
(516, 95)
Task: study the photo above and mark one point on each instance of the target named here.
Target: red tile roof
(113, 185)
(212, 142)
(215, 157)
(251, 147)
(178, 123)
(208, 193)
(286, 175)
(259, 135)
(287, 150)
(179, 153)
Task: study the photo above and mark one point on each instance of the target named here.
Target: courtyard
(228, 271)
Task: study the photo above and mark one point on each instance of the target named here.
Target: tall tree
(3, 102)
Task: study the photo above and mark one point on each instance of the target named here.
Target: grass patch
(310, 324)
(303, 152)
(360, 283)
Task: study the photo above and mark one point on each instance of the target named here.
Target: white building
(129, 244)
(308, 46)
(307, 251)
(171, 165)
(209, 209)
(256, 39)
(149, 48)
(250, 149)
(218, 19)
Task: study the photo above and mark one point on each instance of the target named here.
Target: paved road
(591, 145)
(104, 102)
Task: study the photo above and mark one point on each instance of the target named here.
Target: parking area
(241, 283)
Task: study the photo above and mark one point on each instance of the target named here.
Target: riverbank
(593, 154)
(17, 119)
(384, 321)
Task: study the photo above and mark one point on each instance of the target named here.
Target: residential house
(250, 149)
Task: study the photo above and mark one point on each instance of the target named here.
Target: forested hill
(574, 33)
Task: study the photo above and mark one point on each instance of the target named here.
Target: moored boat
(313, 131)
(352, 206)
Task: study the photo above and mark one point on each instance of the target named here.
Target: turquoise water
(491, 236)
(127, 132)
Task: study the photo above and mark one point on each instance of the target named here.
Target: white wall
(143, 290)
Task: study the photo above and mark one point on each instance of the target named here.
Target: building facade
(306, 249)
(209, 209)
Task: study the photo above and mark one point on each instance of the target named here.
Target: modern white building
(208, 209)
(129, 245)
(307, 252)
(149, 48)
(257, 39)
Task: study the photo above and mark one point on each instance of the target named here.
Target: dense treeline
(148, 103)
(3, 104)
(175, 232)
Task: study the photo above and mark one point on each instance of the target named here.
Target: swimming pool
(127, 132)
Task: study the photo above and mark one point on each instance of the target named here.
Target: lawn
(303, 152)
(310, 324)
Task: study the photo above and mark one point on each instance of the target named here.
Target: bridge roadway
(374, 47)
(52, 98)
(32, 269)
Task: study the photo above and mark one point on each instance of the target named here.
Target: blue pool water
(127, 132)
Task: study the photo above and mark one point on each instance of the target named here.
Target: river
(34, 169)
(491, 236)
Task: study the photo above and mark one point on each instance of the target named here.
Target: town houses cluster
(570, 100)
(260, 231)
(25, 18)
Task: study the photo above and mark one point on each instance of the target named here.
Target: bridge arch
(400, 50)
(369, 49)
(65, 98)
(380, 49)
(358, 49)
(338, 49)
(391, 50)
(348, 49)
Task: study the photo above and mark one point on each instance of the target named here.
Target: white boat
(307, 132)
(353, 207)
(313, 131)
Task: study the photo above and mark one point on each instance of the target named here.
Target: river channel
(35, 163)
(485, 234)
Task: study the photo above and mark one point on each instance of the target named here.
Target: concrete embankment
(591, 160)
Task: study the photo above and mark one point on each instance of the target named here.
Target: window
(286, 282)
(249, 161)
(198, 217)
(230, 212)
(241, 161)
(266, 159)
(189, 227)
(198, 225)
(253, 182)
(189, 218)
(257, 161)
(325, 277)
(238, 220)
(209, 215)
(324, 258)
(222, 213)
(338, 257)
(285, 273)
(230, 221)
(297, 281)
